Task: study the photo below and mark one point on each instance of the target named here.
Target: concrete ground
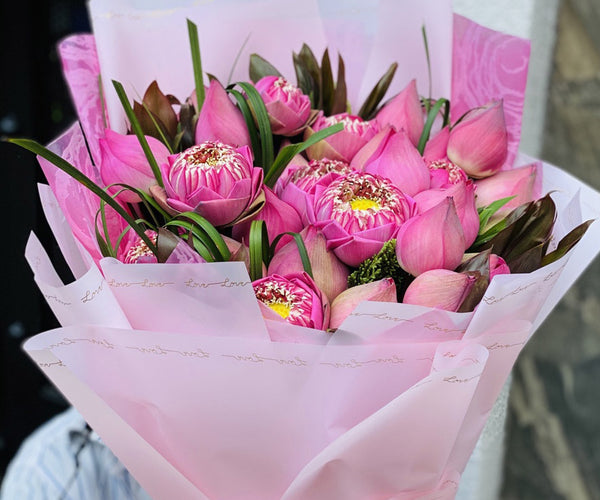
(553, 444)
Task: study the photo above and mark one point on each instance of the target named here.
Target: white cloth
(65, 460)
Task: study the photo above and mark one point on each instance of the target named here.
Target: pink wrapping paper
(173, 364)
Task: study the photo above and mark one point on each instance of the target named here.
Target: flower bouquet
(310, 289)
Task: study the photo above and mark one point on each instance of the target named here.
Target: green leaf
(237, 59)
(367, 111)
(479, 262)
(435, 109)
(340, 97)
(565, 244)
(257, 106)
(197, 63)
(476, 293)
(166, 242)
(260, 68)
(327, 85)
(207, 233)
(486, 212)
(305, 82)
(250, 124)
(80, 177)
(288, 152)
(160, 105)
(135, 125)
(258, 245)
(311, 66)
(426, 45)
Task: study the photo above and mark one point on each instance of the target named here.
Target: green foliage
(382, 265)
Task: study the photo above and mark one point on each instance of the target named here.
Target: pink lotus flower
(431, 240)
(479, 143)
(523, 183)
(213, 179)
(331, 276)
(133, 250)
(364, 153)
(439, 288)
(279, 218)
(220, 120)
(397, 159)
(288, 107)
(443, 172)
(346, 143)
(404, 112)
(358, 213)
(293, 298)
(436, 146)
(378, 291)
(123, 161)
(296, 185)
(497, 266)
(463, 195)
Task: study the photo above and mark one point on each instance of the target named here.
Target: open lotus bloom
(203, 393)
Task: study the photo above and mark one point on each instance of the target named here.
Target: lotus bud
(523, 183)
(364, 153)
(294, 298)
(344, 144)
(404, 112)
(498, 266)
(287, 106)
(397, 159)
(377, 291)
(439, 288)
(123, 161)
(331, 276)
(431, 240)
(463, 195)
(220, 120)
(479, 143)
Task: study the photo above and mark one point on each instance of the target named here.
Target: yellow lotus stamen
(363, 204)
(282, 309)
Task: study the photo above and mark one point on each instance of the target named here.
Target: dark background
(553, 442)
(34, 103)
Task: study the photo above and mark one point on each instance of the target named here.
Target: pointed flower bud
(288, 107)
(397, 159)
(404, 112)
(220, 120)
(358, 213)
(439, 288)
(346, 143)
(523, 183)
(377, 291)
(294, 298)
(431, 240)
(498, 266)
(213, 179)
(331, 275)
(123, 161)
(463, 195)
(479, 143)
